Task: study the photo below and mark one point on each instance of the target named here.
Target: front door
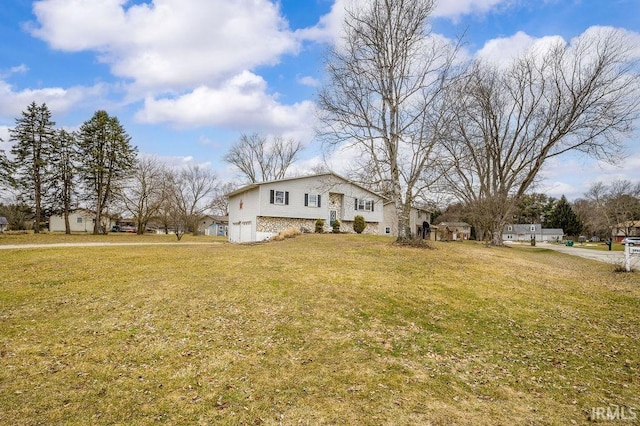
(333, 215)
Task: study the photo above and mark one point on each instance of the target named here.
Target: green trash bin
(569, 243)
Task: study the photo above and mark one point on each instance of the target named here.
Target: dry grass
(290, 232)
(320, 329)
(8, 238)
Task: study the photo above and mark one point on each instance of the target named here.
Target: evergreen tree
(32, 137)
(107, 158)
(564, 217)
(63, 168)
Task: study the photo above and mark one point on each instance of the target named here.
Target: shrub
(319, 226)
(359, 224)
(336, 226)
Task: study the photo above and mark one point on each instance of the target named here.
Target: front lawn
(320, 329)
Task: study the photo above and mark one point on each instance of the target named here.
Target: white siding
(79, 221)
(256, 202)
(243, 210)
(323, 186)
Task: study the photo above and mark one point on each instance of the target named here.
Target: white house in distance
(456, 231)
(261, 210)
(419, 218)
(527, 232)
(80, 220)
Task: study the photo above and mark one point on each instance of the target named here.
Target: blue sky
(187, 77)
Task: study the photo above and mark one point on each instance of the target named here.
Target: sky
(187, 77)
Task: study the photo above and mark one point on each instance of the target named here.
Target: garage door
(240, 232)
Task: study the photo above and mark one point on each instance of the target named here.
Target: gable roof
(456, 224)
(552, 231)
(521, 228)
(258, 184)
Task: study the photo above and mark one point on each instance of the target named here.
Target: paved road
(613, 257)
(97, 244)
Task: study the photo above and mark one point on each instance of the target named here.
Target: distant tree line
(53, 171)
(602, 210)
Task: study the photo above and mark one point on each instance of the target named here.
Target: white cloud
(58, 99)
(241, 103)
(169, 45)
(502, 51)
(308, 81)
(454, 9)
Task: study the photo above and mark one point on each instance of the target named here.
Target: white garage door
(240, 232)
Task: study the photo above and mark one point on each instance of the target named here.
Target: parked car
(631, 240)
(129, 229)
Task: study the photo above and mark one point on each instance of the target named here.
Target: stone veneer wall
(274, 225)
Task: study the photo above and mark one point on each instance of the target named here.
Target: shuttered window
(363, 204)
(279, 197)
(312, 200)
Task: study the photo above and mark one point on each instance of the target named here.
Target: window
(364, 205)
(279, 197)
(79, 220)
(312, 200)
(533, 228)
(387, 230)
(509, 228)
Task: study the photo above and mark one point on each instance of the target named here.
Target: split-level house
(527, 232)
(260, 211)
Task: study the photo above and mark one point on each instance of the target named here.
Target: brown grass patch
(273, 334)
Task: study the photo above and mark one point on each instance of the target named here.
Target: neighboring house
(4, 224)
(418, 219)
(527, 232)
(454, 231)
(214, 226)
(80, 220)
(261, 210)
(625, 229)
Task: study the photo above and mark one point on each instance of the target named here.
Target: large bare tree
(261, 158)
(188, 197)
(508, 122)
(384, 96)
(144, 193)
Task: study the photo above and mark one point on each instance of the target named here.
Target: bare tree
(384, 96)
(262, 159)
(220, 202)
(144, 193)
(189, 196)
(507, 123)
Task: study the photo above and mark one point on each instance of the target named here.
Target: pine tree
(32, 137)
(564, 217)
(63, 168)
(107, 158)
